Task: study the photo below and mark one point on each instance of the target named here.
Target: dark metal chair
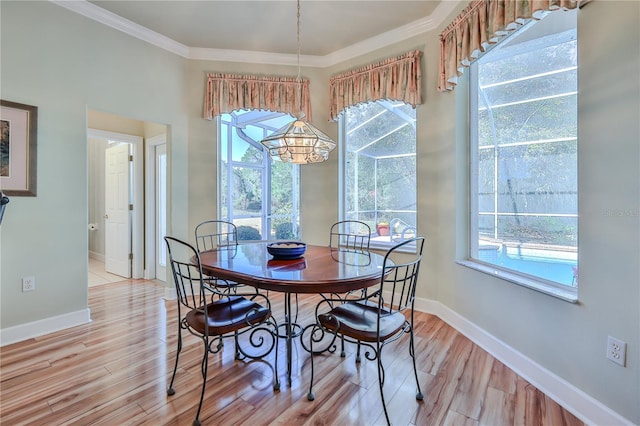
(208, 313)
(375, 319)
(350, 235)
(214, 234)
(217, 235)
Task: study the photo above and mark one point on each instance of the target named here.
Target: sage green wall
(567, 339)
(80, 64)
(69, 65)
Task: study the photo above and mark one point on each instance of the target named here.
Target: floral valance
(228, 92)
(482, 23)
(394, 78)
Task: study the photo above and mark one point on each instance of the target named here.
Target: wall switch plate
(28, 283)
(616, 350)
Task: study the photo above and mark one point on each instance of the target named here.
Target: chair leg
(381, 384)
(311, 396)
(235, 339)
(172, 391)
(205, 362)
(419, 394)
(358, 346)
(276, 378)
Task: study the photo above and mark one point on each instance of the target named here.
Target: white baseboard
(170, 293)
(38, 328)
(583, 406)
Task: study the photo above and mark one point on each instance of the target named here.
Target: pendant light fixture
(299, 142)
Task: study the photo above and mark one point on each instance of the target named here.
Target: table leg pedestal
(291, 330)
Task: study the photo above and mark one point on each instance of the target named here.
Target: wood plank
(439, 396)
(498, 408)
(454, 418)
(472, 387)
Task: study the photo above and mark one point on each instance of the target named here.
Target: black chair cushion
(227, 315)
(359, 321)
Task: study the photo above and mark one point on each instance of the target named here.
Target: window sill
(386, 246)
(568, 295)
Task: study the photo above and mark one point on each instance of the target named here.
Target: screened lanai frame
(391, 143)
(504, 197)
(251, 127)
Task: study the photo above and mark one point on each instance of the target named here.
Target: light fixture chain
(299, 79)
(298, 38)
(299, 142)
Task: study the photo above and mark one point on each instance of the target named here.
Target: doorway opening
(127, 198)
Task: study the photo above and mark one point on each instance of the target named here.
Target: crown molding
(429, 23)
(91, 11)
(254, 57)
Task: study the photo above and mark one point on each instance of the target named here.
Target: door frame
(150, 204)
(137, 223)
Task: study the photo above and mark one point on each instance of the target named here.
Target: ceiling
(265, 30)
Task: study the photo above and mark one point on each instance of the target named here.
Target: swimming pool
(553, 266)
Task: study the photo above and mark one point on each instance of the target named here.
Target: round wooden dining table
(320, 270)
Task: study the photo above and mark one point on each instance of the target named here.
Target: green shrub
(248, 233)
(284, 231)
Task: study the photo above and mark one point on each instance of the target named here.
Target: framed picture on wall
(18, 145)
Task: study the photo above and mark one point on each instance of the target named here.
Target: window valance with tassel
(482, 23)
(228, 92)
(397, 78)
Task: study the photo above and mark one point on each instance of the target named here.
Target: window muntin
(378, 169)
(523, 218)
(260, 196)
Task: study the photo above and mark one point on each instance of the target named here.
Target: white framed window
(378, 169)
(260, 196)
(523, 157)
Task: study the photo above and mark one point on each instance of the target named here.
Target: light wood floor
(114, 371)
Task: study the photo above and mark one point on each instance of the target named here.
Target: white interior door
(117, 215)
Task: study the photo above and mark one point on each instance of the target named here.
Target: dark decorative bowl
(287, 249)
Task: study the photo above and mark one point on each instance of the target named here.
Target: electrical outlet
(616, 350)
(28, 283)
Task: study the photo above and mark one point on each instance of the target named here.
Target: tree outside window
(260, 196)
